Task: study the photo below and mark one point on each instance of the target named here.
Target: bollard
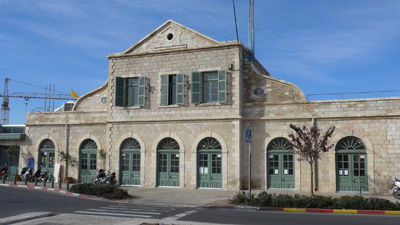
(52, 182)
(67, 185)
(35, 181)
(59, 183)
(15, 179)
(26, 180)
(44, 181)
(4, 179)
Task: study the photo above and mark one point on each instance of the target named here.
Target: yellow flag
(73, 94)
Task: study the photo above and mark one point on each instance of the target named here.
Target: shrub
(264, 199)
(109, 192)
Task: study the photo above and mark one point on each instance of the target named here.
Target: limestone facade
(254, 100)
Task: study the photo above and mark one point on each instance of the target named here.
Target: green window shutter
(119, 91)
(164, 89)
(180, 88)
(196, 92)
(142, 90)
(222, 86)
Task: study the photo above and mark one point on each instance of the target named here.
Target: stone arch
(51, 138)
(122, 138)
(89, 136)
(203, 135)
(170, 135)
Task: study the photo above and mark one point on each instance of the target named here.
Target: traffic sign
(248, 136)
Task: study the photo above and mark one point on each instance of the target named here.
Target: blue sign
(248, 136)
(31, 163)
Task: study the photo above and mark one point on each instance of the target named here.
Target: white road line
(178, 216)
(122, 211)
(115, 208)
(113, 214)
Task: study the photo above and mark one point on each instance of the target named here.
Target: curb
(58, 191)
(308, 210)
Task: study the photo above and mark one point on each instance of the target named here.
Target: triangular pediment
(171, 36)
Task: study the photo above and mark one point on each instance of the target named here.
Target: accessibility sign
(248, 136)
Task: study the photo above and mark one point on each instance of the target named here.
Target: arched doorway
(280, 164)
(209, 161)
(130, 162)
(168, 163)
(351, 165)
(88, 161)
(46, 157)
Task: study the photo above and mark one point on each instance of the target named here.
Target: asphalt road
(246, 217)
(16, 201)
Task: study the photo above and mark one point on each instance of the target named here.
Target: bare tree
(309, 144)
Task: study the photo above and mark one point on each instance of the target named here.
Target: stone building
(174, 110)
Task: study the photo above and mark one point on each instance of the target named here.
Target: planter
(18, 177)
(65, 179)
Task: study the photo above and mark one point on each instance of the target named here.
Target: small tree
(103, 156)
(68, 159)
(309, 144)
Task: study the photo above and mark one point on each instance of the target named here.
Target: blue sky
(321, 46)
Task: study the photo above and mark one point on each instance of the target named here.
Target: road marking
(123, 211)
(180, 215)
(113, 214)
(153, 210)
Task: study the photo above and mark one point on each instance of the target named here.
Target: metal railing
(368, 94)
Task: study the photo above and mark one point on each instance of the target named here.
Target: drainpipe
(314, 123)
(66, 149)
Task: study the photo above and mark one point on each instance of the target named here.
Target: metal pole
(59, 184)
(249, 170)
(52, 182)
(67, 185)
(15, 179)
(4, 179)
(44, 182)
(359, 171)
(35, 181)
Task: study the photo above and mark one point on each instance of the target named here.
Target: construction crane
(5, 110)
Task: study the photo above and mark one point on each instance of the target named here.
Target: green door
(88, 162)
(46, 157)
(280, 164)
(168, 169)
(168, 163)
(349, 152)
(130, 162)
(210, 170)
(209, 161)
(130, 168)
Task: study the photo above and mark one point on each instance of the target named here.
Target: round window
(170, 36)
(104, 100)
(258, 91)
